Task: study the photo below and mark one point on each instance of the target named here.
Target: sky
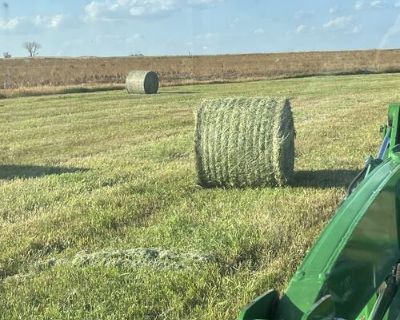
(198, 27)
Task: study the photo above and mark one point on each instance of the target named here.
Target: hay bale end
(244, 142)
(142, 82)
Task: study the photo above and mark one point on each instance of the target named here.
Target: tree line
(31, 46)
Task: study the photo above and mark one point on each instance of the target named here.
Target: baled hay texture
(242, 142)
(142, 82)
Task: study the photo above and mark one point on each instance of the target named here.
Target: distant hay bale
(142, 82)
(244, 142)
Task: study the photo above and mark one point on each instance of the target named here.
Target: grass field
(89, 180)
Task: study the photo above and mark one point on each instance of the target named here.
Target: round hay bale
(244, 142)
(142, 82)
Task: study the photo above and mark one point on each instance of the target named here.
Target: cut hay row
(127, 259)
(242, 142)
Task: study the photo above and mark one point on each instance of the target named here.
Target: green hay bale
(244, 142)
(142, 82)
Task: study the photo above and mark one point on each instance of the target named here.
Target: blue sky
(179, 27)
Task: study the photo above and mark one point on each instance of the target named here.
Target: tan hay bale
(142, 82)
(243, 142)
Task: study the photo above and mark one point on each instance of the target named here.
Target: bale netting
(142, 82)
(244, 142)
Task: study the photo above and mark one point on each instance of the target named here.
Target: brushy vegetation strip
(193, 69)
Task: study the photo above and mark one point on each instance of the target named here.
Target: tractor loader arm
(352, 271)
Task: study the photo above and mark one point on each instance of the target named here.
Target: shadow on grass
(177, 92)
(9, 172)
(88, 89)
(324, 178)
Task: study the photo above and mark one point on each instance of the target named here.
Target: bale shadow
(177, 92)
(336, 178)
(9, 172)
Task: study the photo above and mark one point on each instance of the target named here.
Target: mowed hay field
(90, 182)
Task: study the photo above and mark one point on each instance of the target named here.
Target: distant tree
(6, 55)
(32, 47)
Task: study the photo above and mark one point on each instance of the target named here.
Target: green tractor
(353, 270)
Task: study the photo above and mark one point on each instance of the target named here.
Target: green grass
(94, 172)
